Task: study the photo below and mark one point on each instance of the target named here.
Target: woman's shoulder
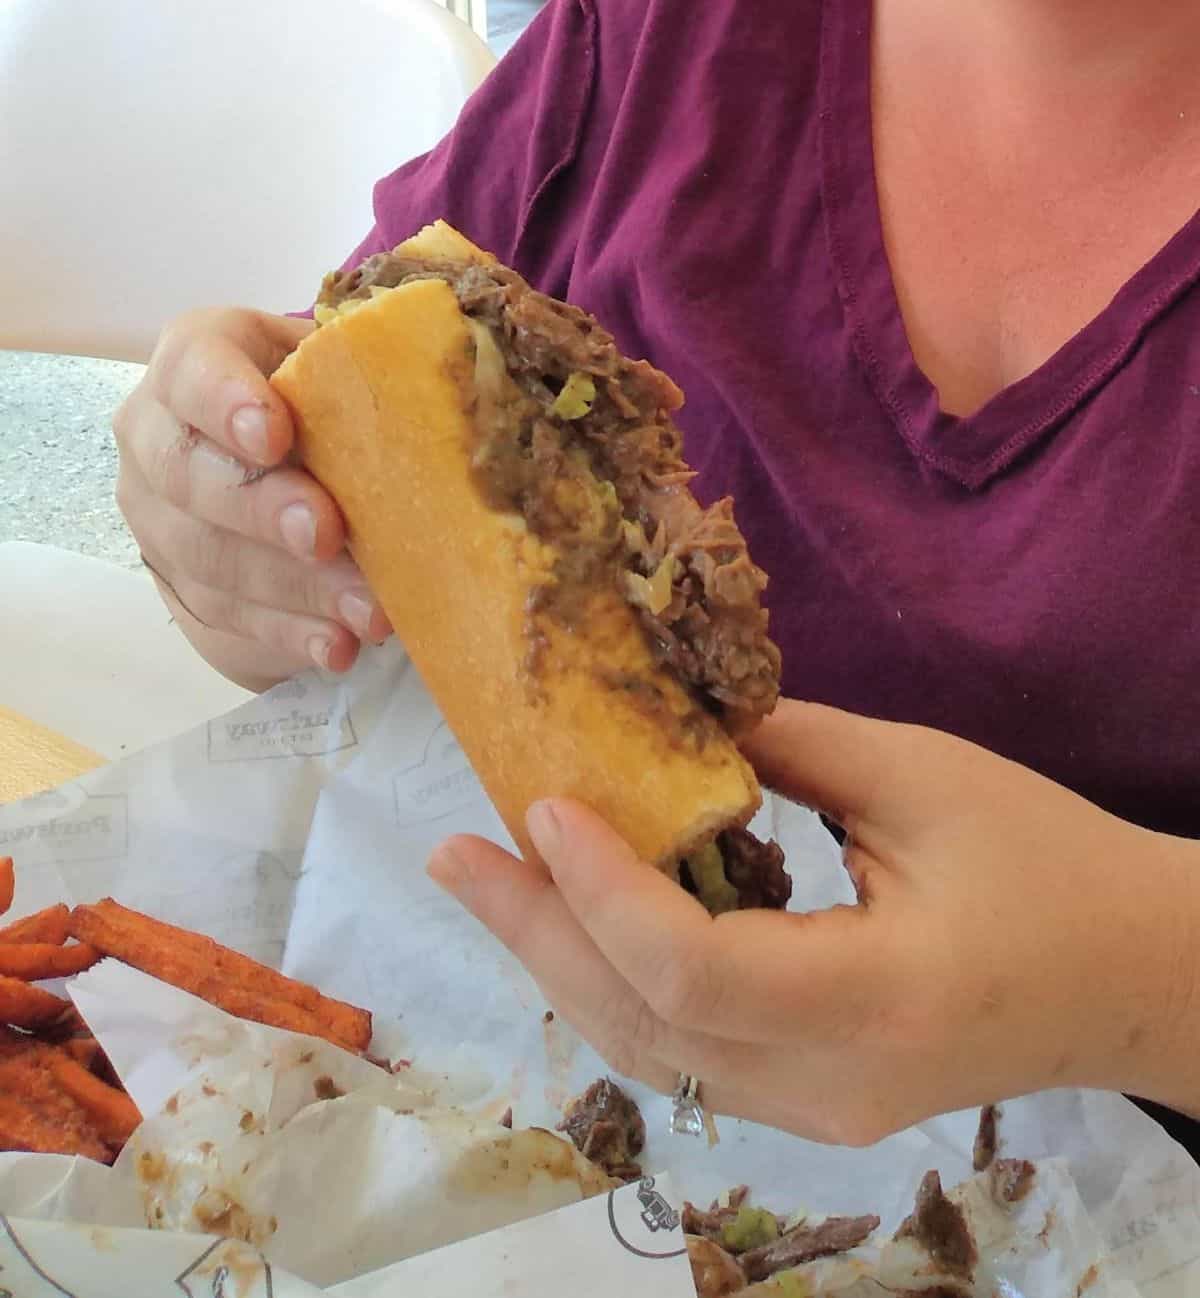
(594, 95)
(686, 31)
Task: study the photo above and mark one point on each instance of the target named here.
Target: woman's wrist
(1153, 1042)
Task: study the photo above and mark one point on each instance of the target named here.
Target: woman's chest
(1011, 221)
(1044, 614)
(1017, 581)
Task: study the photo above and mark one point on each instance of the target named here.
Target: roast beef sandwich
(515, 493)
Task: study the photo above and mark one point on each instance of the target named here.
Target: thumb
(852, 768)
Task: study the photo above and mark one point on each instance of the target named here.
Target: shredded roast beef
(940, 1227)
(1010, 1179)
(802, 1243)
(938, 1291)
(713, 630)
(605, 1125)
(755, 869)
(806, 1243)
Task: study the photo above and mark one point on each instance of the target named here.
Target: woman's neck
(1029, 158)
(1085, 36)
(1131, 64)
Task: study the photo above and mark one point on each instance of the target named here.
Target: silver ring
(687, 1114)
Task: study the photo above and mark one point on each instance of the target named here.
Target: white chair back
(90, 652)
(157, 155)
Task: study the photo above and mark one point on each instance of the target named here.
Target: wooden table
(33, 759)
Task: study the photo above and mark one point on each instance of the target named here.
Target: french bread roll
(384, 403)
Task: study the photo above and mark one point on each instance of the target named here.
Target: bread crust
(381, 401)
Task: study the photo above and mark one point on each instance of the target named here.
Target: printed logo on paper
(440, 784)
(20, 1275)
(244, 899)
(93, 829)
(285, 690)
(227, 1269)
(645, 1222)
(283, 731)
(53, 804)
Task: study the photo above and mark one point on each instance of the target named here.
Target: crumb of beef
(711, 1221)
(606, 1127)
(325, 1088)
(985, 1138)
(940, 1228)
(506, 1118)
(1012, 1179)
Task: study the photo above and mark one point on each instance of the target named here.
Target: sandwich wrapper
(296, 829)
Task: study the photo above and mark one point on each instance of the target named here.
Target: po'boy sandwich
(515, 493)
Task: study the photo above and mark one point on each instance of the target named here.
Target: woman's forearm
(1159, 1059)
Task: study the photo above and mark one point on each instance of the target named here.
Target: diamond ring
(687, 1116)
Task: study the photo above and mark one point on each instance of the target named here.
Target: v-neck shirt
(701, 177)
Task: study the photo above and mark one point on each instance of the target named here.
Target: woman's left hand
(1009, 937)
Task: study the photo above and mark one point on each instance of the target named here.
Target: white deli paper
(598, 1247)
(297, 829)
(327, 1167)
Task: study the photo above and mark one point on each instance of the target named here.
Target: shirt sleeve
(494, 176)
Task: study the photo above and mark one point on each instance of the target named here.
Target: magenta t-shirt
(699, 176)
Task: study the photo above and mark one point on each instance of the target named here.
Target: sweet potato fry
(114, 1114)
(225, 978)
(69, 1023)
(28, 1007)
(137, 944)
(8, 883)
(246, 1003)
(231, 965)
(71, 1033)
(55, 1083)
(45, 1129)
(84, 1050)
(49, 925)
(14, 1043)
(348, 1024)
(44, 1118)
(34, 961)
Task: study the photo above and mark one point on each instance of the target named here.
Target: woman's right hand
(248, 550)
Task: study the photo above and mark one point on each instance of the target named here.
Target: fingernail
(449, 870)
(381, 628)
(357, 611)
(542, 823)
(298, 527)
(249, 427)
(319, 648)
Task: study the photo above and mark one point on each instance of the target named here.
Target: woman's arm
(1009, 937)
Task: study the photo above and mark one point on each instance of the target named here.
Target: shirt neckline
(975, 448)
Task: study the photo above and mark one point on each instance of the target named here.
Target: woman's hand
(248, 552)
(1010, 937)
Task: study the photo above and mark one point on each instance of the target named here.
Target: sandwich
(515, 493)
